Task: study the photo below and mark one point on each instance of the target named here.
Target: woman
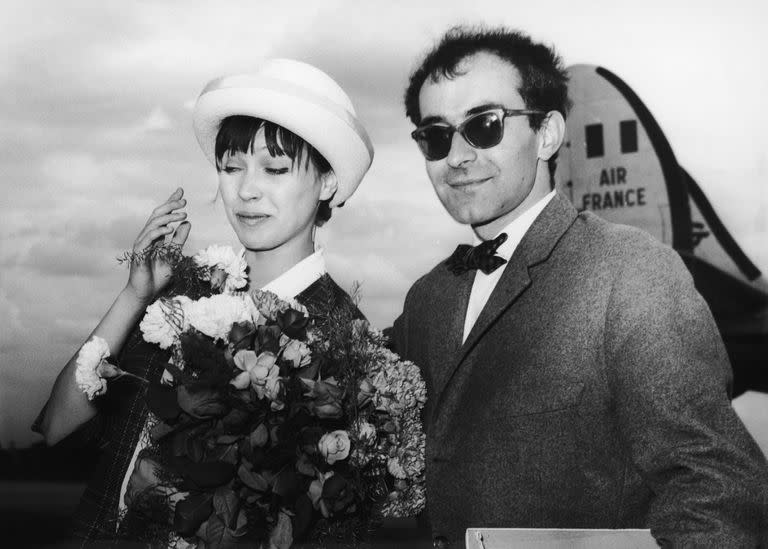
(288, 147)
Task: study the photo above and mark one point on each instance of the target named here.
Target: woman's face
(271, 201)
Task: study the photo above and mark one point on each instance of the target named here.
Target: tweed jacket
(592, 392)
(118, 425)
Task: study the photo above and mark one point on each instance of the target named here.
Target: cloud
(157, 120)
(95, 131)
(12, 324)
(66, 258)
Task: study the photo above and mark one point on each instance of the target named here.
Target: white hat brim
(330, 129)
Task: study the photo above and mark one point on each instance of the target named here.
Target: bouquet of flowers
(270, 425)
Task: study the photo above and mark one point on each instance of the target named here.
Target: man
(575, 377)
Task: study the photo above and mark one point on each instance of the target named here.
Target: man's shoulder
(618, 243)
(431, 280)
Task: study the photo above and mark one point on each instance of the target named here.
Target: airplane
(617, 163)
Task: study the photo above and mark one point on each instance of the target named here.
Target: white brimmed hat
(300, 98)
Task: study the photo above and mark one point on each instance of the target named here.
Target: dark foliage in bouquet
(271, 426)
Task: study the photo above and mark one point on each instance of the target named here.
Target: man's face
(481, 186)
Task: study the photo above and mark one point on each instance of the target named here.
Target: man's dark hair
(236, 134)
(543, 80)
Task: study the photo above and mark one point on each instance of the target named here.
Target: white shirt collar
(519, 226)
(299, 277)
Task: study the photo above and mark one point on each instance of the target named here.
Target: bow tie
(467, 258)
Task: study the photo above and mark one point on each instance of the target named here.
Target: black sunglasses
(482, 130)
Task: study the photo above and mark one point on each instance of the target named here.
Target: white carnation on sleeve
(91, 355)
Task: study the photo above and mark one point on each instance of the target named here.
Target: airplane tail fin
(617, 162)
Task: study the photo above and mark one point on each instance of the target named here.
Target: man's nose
(460, 152)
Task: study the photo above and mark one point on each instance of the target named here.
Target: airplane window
(594, 140)
(628, 133)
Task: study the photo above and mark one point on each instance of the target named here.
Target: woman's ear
(551, 135)
(328, 185)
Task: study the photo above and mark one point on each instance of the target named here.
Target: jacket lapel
(535, 247)
(452, 299)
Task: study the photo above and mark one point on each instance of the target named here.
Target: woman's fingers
(174, 202)
(146, 238)
(165, 220)
(159, 222)
(167, 207)
(182, 232)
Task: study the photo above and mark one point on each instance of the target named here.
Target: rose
(364, 432)
(367, 390)
(256, 370)
(241, 335)
(315, 491)
(292, 322)
(338, 495)
(202, 403)
(268, 338)
(334, 446)
(297, 353)
(267, 303)
(144, 480)
(326, 398)
(273, 390)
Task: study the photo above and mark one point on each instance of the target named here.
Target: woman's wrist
(132, 299)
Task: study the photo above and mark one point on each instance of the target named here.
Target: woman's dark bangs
(236, 134)
(284, 142)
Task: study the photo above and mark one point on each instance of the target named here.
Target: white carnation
(215, 315)
(91, 354)
(395, 468)
(226, 259)
(164, 320)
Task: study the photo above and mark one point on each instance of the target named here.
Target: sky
(95, 130)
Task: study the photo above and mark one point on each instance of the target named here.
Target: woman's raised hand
(150, 274)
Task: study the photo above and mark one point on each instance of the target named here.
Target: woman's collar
(299, 277)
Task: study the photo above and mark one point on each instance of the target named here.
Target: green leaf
(227, 454)
(162, 402)
(288, 485)
(215, 534)
(160, 431)
(303, 519)
(305, 466)
(219, 536)
(310, 371)
(281, 536)
(178, 442)
(259, 436)
(202, 403)
(241, 526)
(252, 480)
(207, 474)
(225, 503)
(195, 448)
(227, 439)
(191, 512)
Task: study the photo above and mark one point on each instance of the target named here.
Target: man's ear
(551, 135)
(329, 183)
